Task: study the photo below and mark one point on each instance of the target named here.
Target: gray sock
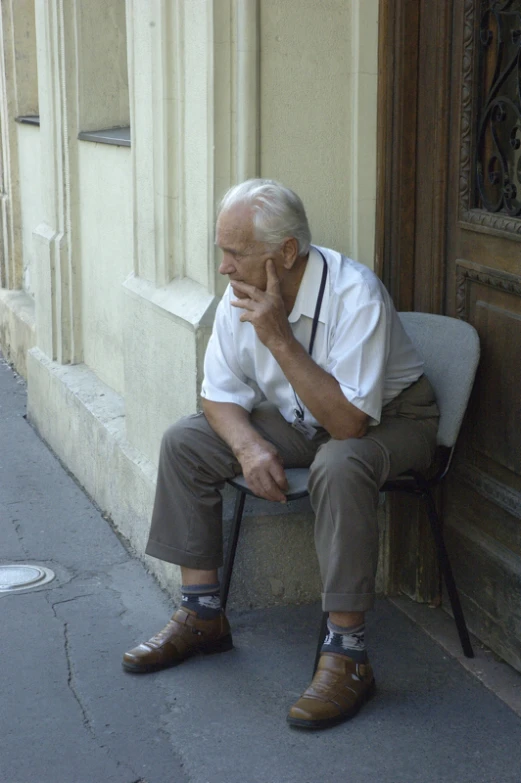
(205, 600)
(346, 641)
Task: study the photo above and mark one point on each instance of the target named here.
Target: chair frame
(414, 483)
(235, 529)
(410, 482)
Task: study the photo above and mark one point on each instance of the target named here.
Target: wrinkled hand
(263, 470)
(264, 309)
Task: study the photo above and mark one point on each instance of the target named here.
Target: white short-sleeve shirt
(360, 341)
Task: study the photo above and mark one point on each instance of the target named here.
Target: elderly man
(307, 366)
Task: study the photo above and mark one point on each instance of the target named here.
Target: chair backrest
(450, 350)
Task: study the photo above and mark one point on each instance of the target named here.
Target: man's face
(244, 257)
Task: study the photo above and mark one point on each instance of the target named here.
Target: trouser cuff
(347, 602)
(181, 558)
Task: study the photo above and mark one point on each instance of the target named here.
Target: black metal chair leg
(321, 637)
(232, 547)
(448, 576)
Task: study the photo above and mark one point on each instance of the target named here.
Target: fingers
(274, 483)
(244, 304)
(269, 483)
(279, 476)
(271, 491)
(245, 288)
(273, 282)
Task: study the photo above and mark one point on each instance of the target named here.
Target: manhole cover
(23, 577)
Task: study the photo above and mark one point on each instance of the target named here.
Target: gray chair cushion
(297, 481)
(450, 349)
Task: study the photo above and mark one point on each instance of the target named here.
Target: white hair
(278, 212)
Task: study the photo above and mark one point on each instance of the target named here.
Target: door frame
(414, 77)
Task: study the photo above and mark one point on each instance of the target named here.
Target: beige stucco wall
(165, 329)
(24, 40)
(196, 152)
(105, 228)
(102, 64)
(305, 107)
(318, 60)
(362, 152)
(30, 194)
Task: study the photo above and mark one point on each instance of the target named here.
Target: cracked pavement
(69, 714)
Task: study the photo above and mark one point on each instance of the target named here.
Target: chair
(450, 350)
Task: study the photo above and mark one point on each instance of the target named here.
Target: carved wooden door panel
(482, 503)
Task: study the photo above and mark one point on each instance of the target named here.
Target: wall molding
(11, 266)
(467, 272)
(498, 493)
(56, 240)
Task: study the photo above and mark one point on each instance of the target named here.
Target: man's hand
(264, 309)
(263, 470)
(261, 464)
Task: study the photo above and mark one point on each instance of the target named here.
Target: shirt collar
(306, 300)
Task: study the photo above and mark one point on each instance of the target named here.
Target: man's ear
(290, 252)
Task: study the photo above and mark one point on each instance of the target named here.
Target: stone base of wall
(83, 422)
(17, 327)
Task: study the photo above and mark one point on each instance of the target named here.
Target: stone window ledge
(28, 119)
(118, 136)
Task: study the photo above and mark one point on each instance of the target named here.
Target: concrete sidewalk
(69, 714)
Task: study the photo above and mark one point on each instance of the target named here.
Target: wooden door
(413, 131)
(483, 286)
(449, 241)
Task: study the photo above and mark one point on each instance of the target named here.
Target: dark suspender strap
(299, 410)
(318, 305)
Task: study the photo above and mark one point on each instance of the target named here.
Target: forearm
(319, 391)
(232, 423)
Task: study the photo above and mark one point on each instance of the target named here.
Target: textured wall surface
(305, 107)
(102, 60)
(30, 194)
(314, 55)
(106, 255)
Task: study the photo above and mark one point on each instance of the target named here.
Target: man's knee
(182, 435)
(348, 462)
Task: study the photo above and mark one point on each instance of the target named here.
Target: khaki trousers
(344, 480)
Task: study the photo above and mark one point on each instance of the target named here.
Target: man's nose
(226, 267)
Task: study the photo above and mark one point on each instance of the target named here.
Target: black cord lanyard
(299, 410)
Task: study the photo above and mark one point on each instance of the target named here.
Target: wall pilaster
(364, 58)
(193, 75)
(247, 92)
(58, 281)
(17, 96)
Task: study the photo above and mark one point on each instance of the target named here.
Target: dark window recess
(119, 136)
(29, 119)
